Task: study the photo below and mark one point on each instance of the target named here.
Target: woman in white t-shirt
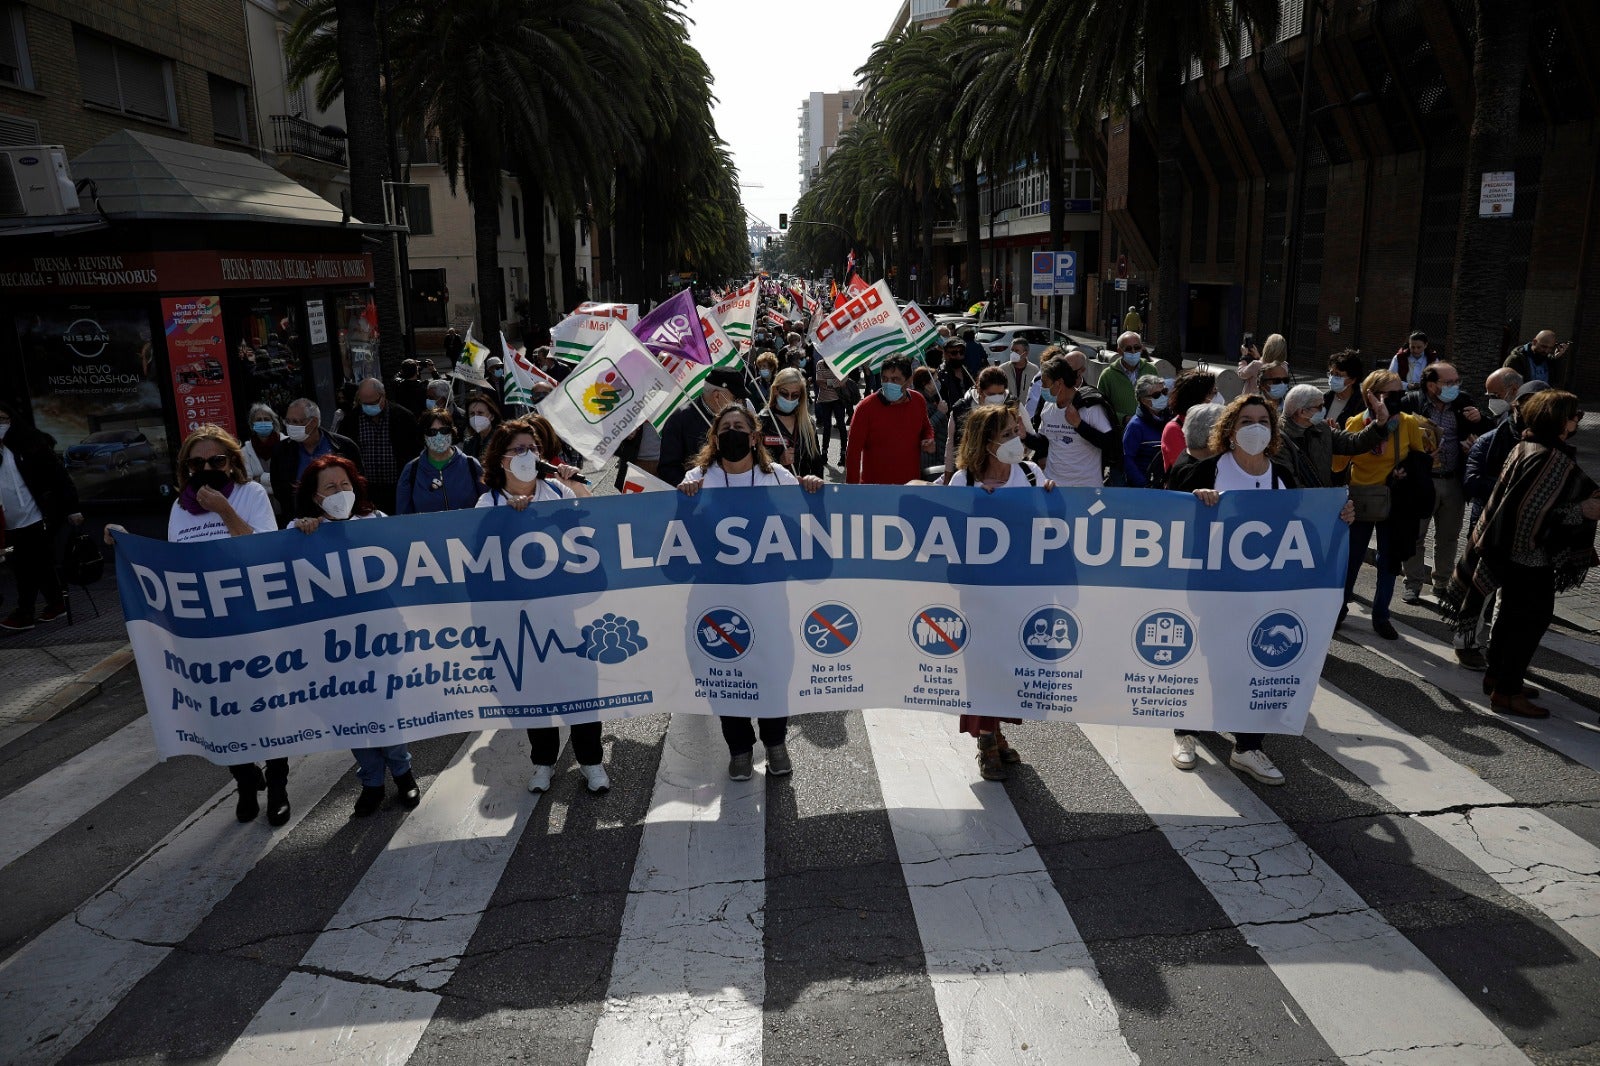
(736, 456)
(517, 476)
(991, 458)
(216, 500)
(1244, 442)
(333, 490)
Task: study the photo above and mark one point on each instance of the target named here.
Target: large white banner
(1127, 607)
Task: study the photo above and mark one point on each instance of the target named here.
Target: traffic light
(769, 242)
(783, 221)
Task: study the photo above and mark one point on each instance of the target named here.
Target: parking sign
(1044, 273)
(1066, 273)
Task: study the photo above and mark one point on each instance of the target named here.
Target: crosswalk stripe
(59, 986)
(1567, 730)
(1011, 975)
(1582, 651)
(688, 980)
(365, 989)
(1368, 990)
(55, 799)
(1530, 855)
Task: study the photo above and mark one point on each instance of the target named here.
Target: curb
(86, 687)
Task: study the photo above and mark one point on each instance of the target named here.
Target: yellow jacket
(1372, 468)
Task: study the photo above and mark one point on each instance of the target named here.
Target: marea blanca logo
(606, 391)
(609, 639)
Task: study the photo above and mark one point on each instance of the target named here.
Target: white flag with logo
(865, 328)
(617, 386)
(576, 335)
(737, 314)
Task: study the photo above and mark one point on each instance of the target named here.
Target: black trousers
(829, 412)
(586, 747)
(245, 772)
(1241, 741)
(1527, 603)
(741, 735)
(33, 563)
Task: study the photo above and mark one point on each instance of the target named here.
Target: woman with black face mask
(735, 456)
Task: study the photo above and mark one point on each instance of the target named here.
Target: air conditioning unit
(34, 180)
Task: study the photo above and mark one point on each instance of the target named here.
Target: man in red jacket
(889, 433)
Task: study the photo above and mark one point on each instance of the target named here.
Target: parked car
(111, 448)
(998, 337)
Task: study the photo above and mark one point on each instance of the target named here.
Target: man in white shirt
(1077, 423)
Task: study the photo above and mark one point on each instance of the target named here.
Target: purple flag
(673, 330)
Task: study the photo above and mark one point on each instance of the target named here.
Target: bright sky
(766, 59)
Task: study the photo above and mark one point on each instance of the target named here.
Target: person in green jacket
(1117, 380)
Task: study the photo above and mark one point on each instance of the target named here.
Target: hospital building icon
(1165, 632)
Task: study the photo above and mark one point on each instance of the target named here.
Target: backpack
(82, 563)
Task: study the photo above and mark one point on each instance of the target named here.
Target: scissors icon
(822, 629)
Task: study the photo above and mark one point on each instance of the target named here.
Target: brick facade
(199, 37)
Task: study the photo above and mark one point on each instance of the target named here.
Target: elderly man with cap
(388, 437)
(1500, 392)
(684, 433)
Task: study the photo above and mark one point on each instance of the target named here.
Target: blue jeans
(371, 762)
(1360, 537)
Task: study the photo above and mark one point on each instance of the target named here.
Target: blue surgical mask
(893, 390)
(765, 373)
(787, 404)
(262, 428)
(1278, 390)
(1132, 358)
(1158, 403)
(1449, 393)
(1337, 382)
(371, 410)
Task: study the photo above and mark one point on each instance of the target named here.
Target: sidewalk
(55, 667)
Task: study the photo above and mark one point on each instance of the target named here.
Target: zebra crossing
(1425, 890)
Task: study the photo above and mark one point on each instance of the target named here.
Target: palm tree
(1128, 58)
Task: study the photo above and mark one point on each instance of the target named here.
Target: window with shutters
(124, 78)
(230, 117)
(14, 66)
(419, 210)
(1291, 18)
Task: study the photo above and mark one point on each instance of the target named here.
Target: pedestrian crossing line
(365, 989)
(1530, 855)
(1580, 651)
(58, 987)
(688, 980)
(1567, 731)
(55, 799)
(1011, 975)
(1368, 990)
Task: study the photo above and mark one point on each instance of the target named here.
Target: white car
(998, 338)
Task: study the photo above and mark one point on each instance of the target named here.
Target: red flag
(857, 286)
(369, 315)
(850, 264)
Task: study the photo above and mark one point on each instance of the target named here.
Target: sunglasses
(791, 395)
(1392, 399)
(216, 462)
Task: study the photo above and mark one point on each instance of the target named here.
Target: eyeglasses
(519, 449)
(216, 462)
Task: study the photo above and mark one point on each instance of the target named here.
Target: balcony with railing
(296, 136)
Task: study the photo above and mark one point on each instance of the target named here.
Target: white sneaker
(1183, 756)
(1257, 765)
(595, 777)
(540, 781)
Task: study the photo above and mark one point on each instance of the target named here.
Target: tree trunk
(1478, 301)
(483, 185)
(1057, 180)
(368, 151)
(533, 234)
(971, 205)
(908, 224)
(629, 238)
(567, 239)
(930, 205)
(1169, 205)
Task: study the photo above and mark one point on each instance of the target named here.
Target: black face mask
(210, 479)
(733, 445)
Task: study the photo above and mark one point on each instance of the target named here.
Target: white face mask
(1253, 439)
(338, 505)
(1318, 416)
(480, 423)
(1010, 452)
(1217, 399)
(1497, 406)
(5, 427)
(295, 433)
(995, 398)
(1018, 357)
(524, 467)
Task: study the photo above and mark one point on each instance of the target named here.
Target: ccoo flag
(573, 337)
(865, 328)
(737, 313)
(617, 386)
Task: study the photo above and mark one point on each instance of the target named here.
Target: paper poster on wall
(198, 355)
(316, 322)
(94, 378)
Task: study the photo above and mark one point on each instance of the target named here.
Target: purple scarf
(186, 498)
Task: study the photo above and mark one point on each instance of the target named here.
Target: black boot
(250, 781)
(277, 804)
(369, 801)
(410, 795)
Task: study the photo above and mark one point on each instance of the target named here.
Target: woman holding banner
(1245, 443)
(991, 458)
(216, 500)
(735, 455)
(517, 475)
(332, 490)
(787, 427)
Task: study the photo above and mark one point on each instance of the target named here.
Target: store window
(357, 317)
(270, 362)
(430, 299)
(118, 76)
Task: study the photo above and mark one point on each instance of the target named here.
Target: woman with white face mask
(442, 478)
(516, 474)
(332, 490)
(1246, 441)
(988, 391)
(991, 458)
(483, 415)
